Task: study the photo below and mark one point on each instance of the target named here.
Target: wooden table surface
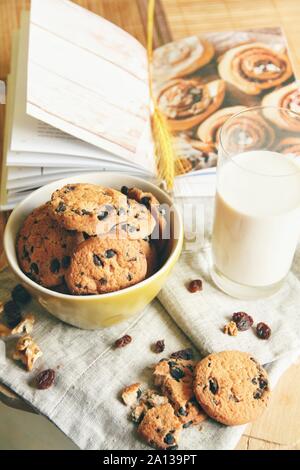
(279, 427)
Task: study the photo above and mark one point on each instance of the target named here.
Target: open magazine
(78, 98)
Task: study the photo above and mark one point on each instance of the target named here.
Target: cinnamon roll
(186, 103)
(249, 132)
(209, 130)
(287, 97)
(180, 58)
(289, 146)
(255, 67)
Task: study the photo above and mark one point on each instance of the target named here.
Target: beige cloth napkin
(84, 402)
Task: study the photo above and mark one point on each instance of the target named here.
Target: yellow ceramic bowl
(95, 311)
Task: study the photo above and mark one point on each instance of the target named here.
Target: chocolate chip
(102, 215)
(242, 320)
(263, 383)
(195, 285)
(103, 281)
(20, 295)
(254, 381)
(263, 331)
(34, 269)
(213, 385)
(124, 190)
(25, 253)
(97, 260)
(61, 207)
(138, 393)
(169, 439)
(146, 201)
(66, 261)
(176, 373)
(187, 425)
(183, 354)
(182, 411)
(173, 447)
(110, 254)
(85, 212)
(85, 235)
(129, 277)
(257, 394)
(55, 265)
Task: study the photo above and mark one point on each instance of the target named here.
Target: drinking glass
(256, 224)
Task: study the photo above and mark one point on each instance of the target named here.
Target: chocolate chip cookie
(139, 222)
(160, 233)
(232, 387)
(88, 208)
(175, 378)
(160, 427)
(44, 248)
(100, 265)
(149, 250)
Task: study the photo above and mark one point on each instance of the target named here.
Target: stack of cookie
(89, 239)
(230, 387)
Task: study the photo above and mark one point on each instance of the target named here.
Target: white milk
(257, 217)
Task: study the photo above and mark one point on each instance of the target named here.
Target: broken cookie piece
(160, 427)
(148, 399)
(131, 394)
(175, 378)
(25, 326)
(27, 351)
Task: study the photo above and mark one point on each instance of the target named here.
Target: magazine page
(201, 81)
(87, 77)
(34, 136)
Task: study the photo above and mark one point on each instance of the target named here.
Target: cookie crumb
(27, 351)
(159, 346)
(131, 394)
(25, 325)
(230, 329)
(195, 286)
(122, 342)
(4, 331)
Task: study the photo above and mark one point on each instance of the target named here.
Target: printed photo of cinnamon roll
(289, 146)
(186, 103)
(181, 58)
(193, 155)
(209, 130)
(287, 97)
(254, 67)
(250, 132)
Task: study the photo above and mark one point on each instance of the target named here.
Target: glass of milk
(257, 207)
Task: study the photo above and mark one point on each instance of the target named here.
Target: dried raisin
(121, 342)
(45, 379)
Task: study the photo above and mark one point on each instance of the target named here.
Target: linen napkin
(85, 400)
